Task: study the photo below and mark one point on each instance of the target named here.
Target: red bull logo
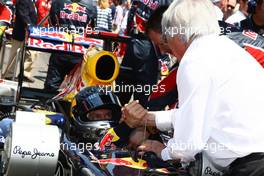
(54, 35)
(106, 141)
(81, 9)
(73, 16)
(73, 12)
(39, 43)
(68, 7)
(88, 41)
(110, 137)
(75, 8)
(116, 161)
(127, 161)
(151, 3)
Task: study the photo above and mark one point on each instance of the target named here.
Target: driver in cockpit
(94, 110)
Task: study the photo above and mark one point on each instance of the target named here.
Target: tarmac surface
(38, 72)
(39, 67)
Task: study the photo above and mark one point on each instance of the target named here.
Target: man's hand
(134, 114)
(137, 137)
(151, 145)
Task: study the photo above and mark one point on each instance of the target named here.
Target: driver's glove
(118, 136)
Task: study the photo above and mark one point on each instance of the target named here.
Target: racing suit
(248, 24)
(139, 68)
(6, 13)
(251, 42)
(68, 14)
(43, 7)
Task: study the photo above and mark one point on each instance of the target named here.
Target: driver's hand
(151, 146)
(133, 114)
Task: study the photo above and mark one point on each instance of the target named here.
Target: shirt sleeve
(42, 7)
(118, 16)
(192, 120)
(110, 20)
(163, 119)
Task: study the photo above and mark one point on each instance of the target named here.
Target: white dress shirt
(236, 17)
(219, 13)
(221, 103)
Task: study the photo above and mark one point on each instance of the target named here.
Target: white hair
(190, 18)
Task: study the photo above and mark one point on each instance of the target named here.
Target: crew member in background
(139, 67)
(26, 15)
(43, 7)
(104, 16)
(117, 21)
(154, 29)
(255, 21)
(69, 14)
(123, 25)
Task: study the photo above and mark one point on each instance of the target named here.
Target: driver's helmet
(95, 110)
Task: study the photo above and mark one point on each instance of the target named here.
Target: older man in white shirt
(221, 95)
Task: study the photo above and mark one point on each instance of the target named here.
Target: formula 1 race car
(50, 143)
